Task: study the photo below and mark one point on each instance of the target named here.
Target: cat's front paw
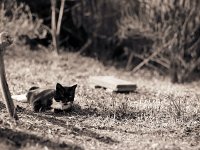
(56, 110)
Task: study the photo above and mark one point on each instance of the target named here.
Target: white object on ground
(20, 98)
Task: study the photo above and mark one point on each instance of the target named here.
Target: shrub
(174, 27)
(19, 21)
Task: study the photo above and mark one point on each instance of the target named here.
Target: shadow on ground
(86, 131)
(81, 131)
(2, 105)
(17, 139)
(74, 130)
(119, 113)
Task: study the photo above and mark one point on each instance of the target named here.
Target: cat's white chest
(60, 105)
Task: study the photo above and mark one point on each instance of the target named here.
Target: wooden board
(111, 83)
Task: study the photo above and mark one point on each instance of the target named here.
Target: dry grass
(158, 116)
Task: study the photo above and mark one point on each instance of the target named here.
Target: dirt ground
(158, 115)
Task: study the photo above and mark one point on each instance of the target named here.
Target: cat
(43, 99)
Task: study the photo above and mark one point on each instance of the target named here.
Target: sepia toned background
(152, 43)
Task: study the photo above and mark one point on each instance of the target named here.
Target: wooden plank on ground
(112, 83)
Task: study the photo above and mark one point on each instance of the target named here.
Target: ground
(159, 115)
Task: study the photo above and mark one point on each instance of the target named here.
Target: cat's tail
(20, 98)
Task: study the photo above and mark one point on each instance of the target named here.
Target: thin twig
(5, 40)
(145, 61)
(53, 24)
(62, 6)
(85, 46)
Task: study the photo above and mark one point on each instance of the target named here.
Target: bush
(20, 22)
(174, 27)
(163, 35)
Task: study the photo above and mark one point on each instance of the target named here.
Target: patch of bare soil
(158, 115)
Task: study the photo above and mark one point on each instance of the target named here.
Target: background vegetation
(161, 35)
(158, 35)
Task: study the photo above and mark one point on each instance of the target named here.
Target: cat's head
(65, 95)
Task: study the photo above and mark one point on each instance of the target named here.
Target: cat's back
(39, 93)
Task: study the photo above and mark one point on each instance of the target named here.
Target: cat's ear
(74, 86)
(59, 86)
(60, 89)
(72, 89)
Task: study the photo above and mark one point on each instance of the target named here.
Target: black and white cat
(42, 99)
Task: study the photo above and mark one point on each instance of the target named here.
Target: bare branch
(6, 40)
